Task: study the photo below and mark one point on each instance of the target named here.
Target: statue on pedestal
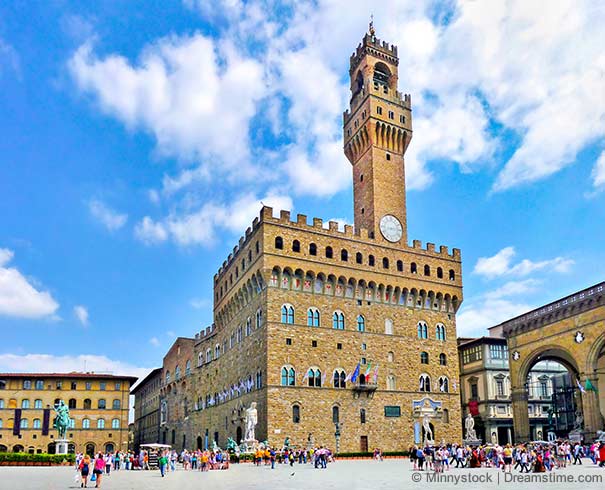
(251, 421)
(61, 422)
(469, 425)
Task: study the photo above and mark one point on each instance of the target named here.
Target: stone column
(520, 414)
(590, 409)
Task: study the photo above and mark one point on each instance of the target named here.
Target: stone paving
(349, 475)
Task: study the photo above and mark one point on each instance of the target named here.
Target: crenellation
(349, 230)
(333, 225)
(443, 250)
(417, 244)
(284, 216)
(430, 247)
(317, 223)
(301, 219)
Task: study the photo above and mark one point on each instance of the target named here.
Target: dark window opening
(344, 255)
(427, 270)
(371, 260)
(385, 263)
(312, 249)
(279, 243)
(388, 156)
(295, 246)
(358, 258)
(329, 253)
(400, 266)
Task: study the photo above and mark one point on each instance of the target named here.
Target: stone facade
(146, 426)
(98, 407)
(298, 302)
(570, 330)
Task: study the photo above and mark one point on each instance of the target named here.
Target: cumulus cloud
(18, 297)
(501, 265)
(106, 216)
(474, 318)
(81, 313)
(598, 172)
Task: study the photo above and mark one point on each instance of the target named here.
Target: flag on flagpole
(323, 379)
(590, 386)
(369, 369)
(376, 374)
(580, 387)
(355, 374)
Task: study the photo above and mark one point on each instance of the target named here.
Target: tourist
(163, 462)
(602, 455)
(84, 469)
(108, 461)
(577, 453)
(507, 456)
(99, 466)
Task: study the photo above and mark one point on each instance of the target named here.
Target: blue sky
(138, 141)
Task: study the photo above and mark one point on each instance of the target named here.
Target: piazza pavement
(349, 475)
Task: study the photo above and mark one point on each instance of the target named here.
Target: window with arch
(87, 404)
(86, 424)
(279, 243)
(335, 414)
(287, 314)
(116, 404)
(188, 368)
(390, 356)
(259, 379)
(424, 383)
(312, 249)
(24, 424)
(101, 424)
(115, 424)
(167, 376)
(338, 320)
(313, 317)
(208, 355)
(344, 255)
(217, 351)
(413, 268)
(359, 258)
(371, 260)
(288, 376)
(102, 405)
(361, 323)
(423, 330)
(385, 263)
(340, 378)
(427, 270)
(329, 253)
(440, 331)
(442, 359)
(296, 414)
(399, 266)
(259, 318)
(452, 275)
(362, 415)
(71, 403)
(37, 403)
(27, 384)
(248, 326)
(25, 403)
(391, 382)
(439, 273)
(39, 384)
(37, 424)
(177, 372)
(444, 384)
(314, 377)
(388, 326)
(424, 357)
(295, 246)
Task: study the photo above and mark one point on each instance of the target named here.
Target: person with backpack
(97, 472)
(84, 468)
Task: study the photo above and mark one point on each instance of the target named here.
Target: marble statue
(428, 433)
(579, 422)
(469, 425)
(61, 422)
(251, 421)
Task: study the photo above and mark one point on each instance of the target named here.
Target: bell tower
(377, 131)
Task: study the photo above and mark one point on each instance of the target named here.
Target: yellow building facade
(98, 406)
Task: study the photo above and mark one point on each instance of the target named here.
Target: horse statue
(62, 420)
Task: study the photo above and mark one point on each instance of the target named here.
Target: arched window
(188, 366)
(87, 404)
(24, 424)
(452, 275)
(359, 258)
(279, 243)
(335, 415)
(102, 405)
(296, 414)
(37, 424)
(444, 384)
(338, 320)
(25, 403)
(423, 330)
(313, 317)
(101, 424)
(390, 356)
(37, 403)
(439, 273)
(385, 263)
(167, 376)
(340, 378)
(361, 323)
(71, 403)
(362, 415)
(288, 376)
(427, 270)
(391, 382)
(371, 260)
(115, 424)
(116, 404)
(177, 372)
(86, 424)
(72, 423)
(314, 377)
(413, 268)
(312, 249)
(344, 255)
(295, 246)
(259, 318)
(424, 357)
(440, 331)
(388, 326)
(424, 383)
(217, 351)
(329, 252)
(208, 355)
(287, 314)
(442, 359)
(27, 384)
(399, 266)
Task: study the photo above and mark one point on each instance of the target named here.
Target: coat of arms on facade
(579, 337)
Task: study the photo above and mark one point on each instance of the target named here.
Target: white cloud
(500, 265)
(154, 341)
(474, 318)
(81, 313)
(598, 173)
(108, 217)
(149, 231)
(514, 288)
(18, 297)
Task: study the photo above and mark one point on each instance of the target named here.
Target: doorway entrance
(363, 444)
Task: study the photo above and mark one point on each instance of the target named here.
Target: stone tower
(377, 132)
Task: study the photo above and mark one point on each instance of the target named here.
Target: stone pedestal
(61, 446)
(472, 442)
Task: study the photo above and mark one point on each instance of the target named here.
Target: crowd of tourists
(530, 457)
(319, 457)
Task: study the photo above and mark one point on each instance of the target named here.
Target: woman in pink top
(99, 467)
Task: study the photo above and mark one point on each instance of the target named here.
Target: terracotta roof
(73, 374)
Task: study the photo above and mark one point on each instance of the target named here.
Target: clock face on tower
(391, 228)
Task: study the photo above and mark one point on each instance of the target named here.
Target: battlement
(205, 332)
(374, 46)
(396, 97)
